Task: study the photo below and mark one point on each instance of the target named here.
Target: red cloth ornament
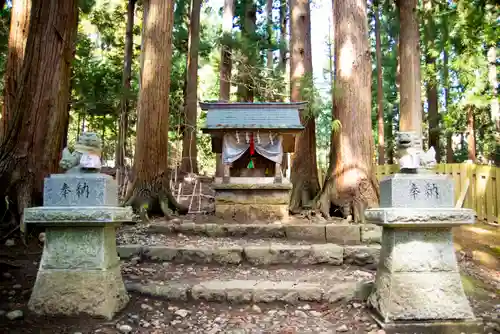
(252, 144)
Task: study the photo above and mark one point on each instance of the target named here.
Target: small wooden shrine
(252, 138)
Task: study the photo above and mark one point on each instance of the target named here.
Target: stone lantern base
(418, 283)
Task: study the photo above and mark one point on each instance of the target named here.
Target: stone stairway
(250, 263)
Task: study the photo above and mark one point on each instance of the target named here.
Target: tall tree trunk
(351, 184)
(283, 39)
(304, 167)
(189, 150)
(121, 146)
(269, 17)
(431, 84)
(380, 88)
(471, 134)
(18, 35)
(246, 88)
(150, 189)
(226, 65)
(495, 107)
(29, 152)
(449, 133)
(58, 126)
(409, 51)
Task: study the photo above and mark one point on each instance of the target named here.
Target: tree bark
(449, 133)
(150, 191)
(495, 107)
(283, 39)
(34, 133)
(58, 125)
(269, 17)
(409, 54)
(304, 167)
(246, 87)
(431, 84)
(226, 65)
(351, 185)
(189, 150)
(18, 35)
(121, 146)
(471, 134)
(380, 88)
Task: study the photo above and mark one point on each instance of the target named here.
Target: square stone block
(79, 248)
(424, 250)
(315, 232)
(417, 191)
(244, 213)
(371, 233)
(99, 293)
(80, 190)
(343, 234)
(420, 296)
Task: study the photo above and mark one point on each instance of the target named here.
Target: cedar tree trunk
(351, 184)
(226, 65)
(409, 54)
(246, 87)
(449, 134)
(304, 168)
(37, 110)
(471, 134)
(18, 35)
(380, 88)
(495, 107)
(283, 39)
(150, 191)
(189, 162)
(431, 85)
(269, 17)
(121, 146)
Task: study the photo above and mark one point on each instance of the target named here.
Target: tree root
(153, 198)
(352, 202)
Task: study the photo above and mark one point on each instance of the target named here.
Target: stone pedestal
(248, 202)
(418, 286)
(80, 270)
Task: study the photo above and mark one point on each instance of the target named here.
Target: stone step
(246, 284)
(339, 233)
(196, 249)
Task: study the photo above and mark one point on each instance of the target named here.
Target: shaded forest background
(241, 51)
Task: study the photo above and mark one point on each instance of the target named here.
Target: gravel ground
(138, 234)
(145, 315)
(187, 272)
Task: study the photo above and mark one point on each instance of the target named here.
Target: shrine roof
(262, 116)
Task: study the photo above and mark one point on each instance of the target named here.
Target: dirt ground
(19, 266)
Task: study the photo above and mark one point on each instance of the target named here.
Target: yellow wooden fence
(483, 194)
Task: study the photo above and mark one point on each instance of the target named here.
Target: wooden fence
(483, 194)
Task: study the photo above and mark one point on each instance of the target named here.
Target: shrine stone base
(99, 293)
(418, 281)
(79, 271)
(252, 202)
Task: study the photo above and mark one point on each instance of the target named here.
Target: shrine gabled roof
(262, 116)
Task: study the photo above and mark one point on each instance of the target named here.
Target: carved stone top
(411, 154)
(86, 157)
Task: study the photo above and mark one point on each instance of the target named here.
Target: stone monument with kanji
(252, 138)
(79, 271)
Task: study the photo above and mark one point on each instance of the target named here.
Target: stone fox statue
(86, 157)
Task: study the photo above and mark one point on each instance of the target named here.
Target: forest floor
(147, 315)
